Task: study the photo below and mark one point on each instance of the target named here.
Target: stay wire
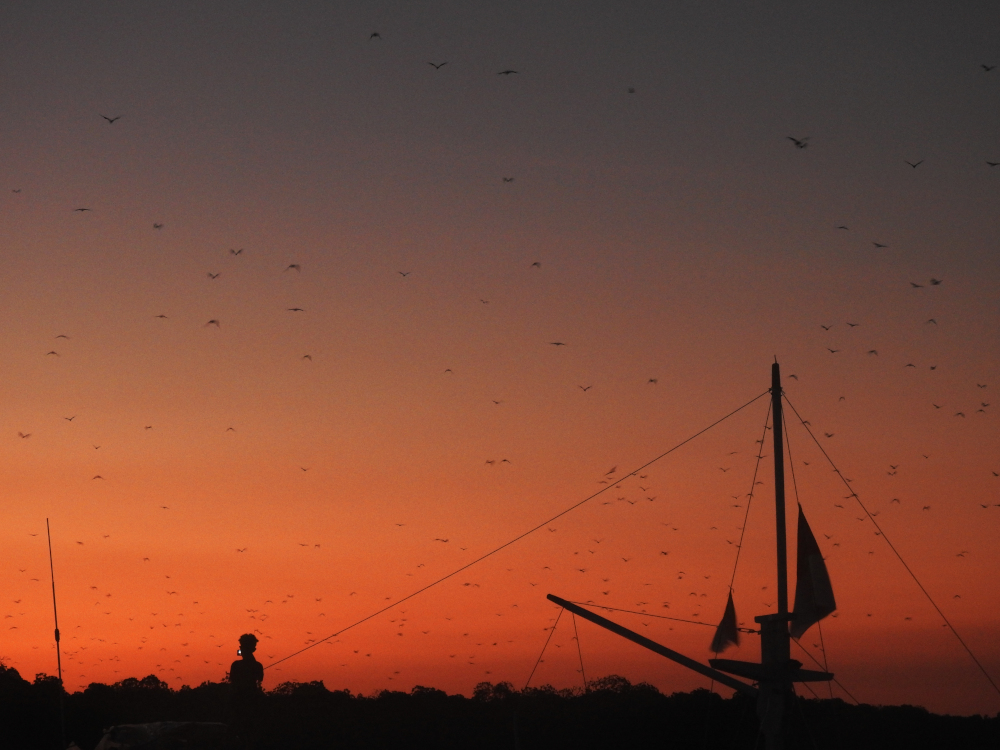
(798, 502)
(806, 686)
(552, 630)
(644, 614)
(817, 663)
(913, 575)
(579, 651)
(753, 483)
(746, 515)
(518, 538)
(822, 646)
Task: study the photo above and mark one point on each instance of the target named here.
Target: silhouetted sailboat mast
(776, 671)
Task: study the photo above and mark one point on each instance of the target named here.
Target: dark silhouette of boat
(771, 678)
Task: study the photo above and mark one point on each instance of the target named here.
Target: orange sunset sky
(377, 400)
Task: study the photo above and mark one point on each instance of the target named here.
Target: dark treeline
(613, 714)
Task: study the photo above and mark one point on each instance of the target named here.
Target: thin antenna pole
(55, 615)
(779, 489)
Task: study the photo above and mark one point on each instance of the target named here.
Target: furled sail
(813, 592)
(726, 634)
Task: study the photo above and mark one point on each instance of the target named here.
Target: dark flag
(726, 634)
(813, 592)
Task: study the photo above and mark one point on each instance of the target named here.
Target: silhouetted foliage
(613, 713)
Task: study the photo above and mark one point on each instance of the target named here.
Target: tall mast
(779, 489)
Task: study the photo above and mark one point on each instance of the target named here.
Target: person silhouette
(245, 677)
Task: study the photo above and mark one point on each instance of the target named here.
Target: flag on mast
(813, 592)
(726, 634)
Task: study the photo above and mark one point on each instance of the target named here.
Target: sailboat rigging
(776, 672)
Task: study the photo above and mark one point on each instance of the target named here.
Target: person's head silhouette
(248, 644)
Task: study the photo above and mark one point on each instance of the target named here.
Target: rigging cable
(913, 575)
(816, 662)
(551, 631)
(806, 686)
(822, 646)
(518, 538)
(819, 624)
(576, 634)
(746, 516)
(753, 483)
(795, 487)
(647, 614)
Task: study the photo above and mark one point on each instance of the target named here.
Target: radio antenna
(55, 615)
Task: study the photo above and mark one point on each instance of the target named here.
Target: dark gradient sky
(681, 237)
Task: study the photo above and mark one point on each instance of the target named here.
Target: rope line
(753, 483)
(806, 686)
(913, 575)
(798, 502)
(518, 538)
(822, 646)
(576, 634)
(746, 516)
(816, 662)
(647, 614)
(551, 631)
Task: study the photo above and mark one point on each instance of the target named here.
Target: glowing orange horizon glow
(381, 373)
